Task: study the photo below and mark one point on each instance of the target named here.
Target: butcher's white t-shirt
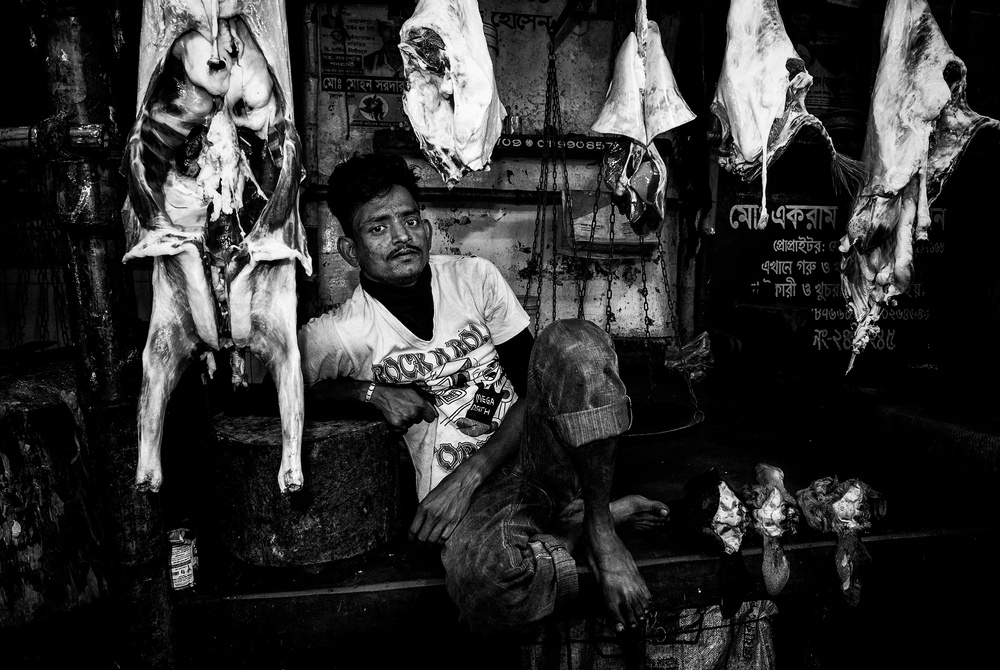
(474, 310)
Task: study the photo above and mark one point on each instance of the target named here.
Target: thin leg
(170, 346)
(272, 323)
(622, 587)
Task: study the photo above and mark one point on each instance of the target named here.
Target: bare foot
(631, 511)
(635, 511)
(622, 587)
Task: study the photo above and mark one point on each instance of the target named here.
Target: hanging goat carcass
(213, 164)
(919, 126)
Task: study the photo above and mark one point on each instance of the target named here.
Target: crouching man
(512, 440)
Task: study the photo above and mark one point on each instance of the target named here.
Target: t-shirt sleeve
(503, 312)
(323, 352)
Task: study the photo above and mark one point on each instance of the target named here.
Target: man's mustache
(404, 249)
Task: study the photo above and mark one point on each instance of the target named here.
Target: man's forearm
(503, 444)
(337, 390)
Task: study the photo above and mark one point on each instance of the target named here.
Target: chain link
(581, 280)
(672, 336)
(675, 337)
(543, 239)
(647, 322)
(609, 315)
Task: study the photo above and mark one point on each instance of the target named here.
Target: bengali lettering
(517, 21)
(809, 217)
(364, 85)
(777, 267)
(785, 289)
(826, 290)
(842, 339)
(801, 245)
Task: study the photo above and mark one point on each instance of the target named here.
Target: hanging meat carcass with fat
(451, 95)
(214, 153)
(919, 126)
(760, 97)
(642, 103)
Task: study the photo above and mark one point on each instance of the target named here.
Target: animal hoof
(290, 481)
(148, 481)
(146, 486)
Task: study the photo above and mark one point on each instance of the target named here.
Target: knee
(566, 331)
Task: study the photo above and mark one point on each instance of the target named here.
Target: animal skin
(919, 125)
(760, 97)
(451, 97)
(213, 153)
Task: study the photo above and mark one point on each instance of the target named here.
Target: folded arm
(441, 510)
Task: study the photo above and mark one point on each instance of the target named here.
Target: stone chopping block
(348, 507)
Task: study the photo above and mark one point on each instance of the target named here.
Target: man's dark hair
(361, 178)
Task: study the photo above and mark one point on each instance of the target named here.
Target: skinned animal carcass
(919, 126)
(642, 103)
(451, 96)
(760, 97)
(213, 163)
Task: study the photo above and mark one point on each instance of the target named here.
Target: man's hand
(403, 406)
(440, 511)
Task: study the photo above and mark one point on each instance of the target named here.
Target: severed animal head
(773, 509)
(214, 111)
(775, 514)
(919, 126)
(712, 509)
(642, 103)
(760, 97)
(451, 97)
(847, 509)
(832, 506)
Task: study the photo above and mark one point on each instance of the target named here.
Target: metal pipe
(18, 138)
(89, 139)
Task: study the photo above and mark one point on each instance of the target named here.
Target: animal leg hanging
(214, 111)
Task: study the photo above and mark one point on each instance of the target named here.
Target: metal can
(183, 558)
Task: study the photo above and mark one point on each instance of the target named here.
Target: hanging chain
(536, 264)
(645, 288)
(555, 242)
(558, 128)
(675, 338)
(609, 316)
(581, 280)
(645, 311)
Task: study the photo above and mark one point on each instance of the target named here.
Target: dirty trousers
(504, 569)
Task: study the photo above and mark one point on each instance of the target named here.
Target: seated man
(512, 441)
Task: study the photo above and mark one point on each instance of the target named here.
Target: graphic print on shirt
(472, 394)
